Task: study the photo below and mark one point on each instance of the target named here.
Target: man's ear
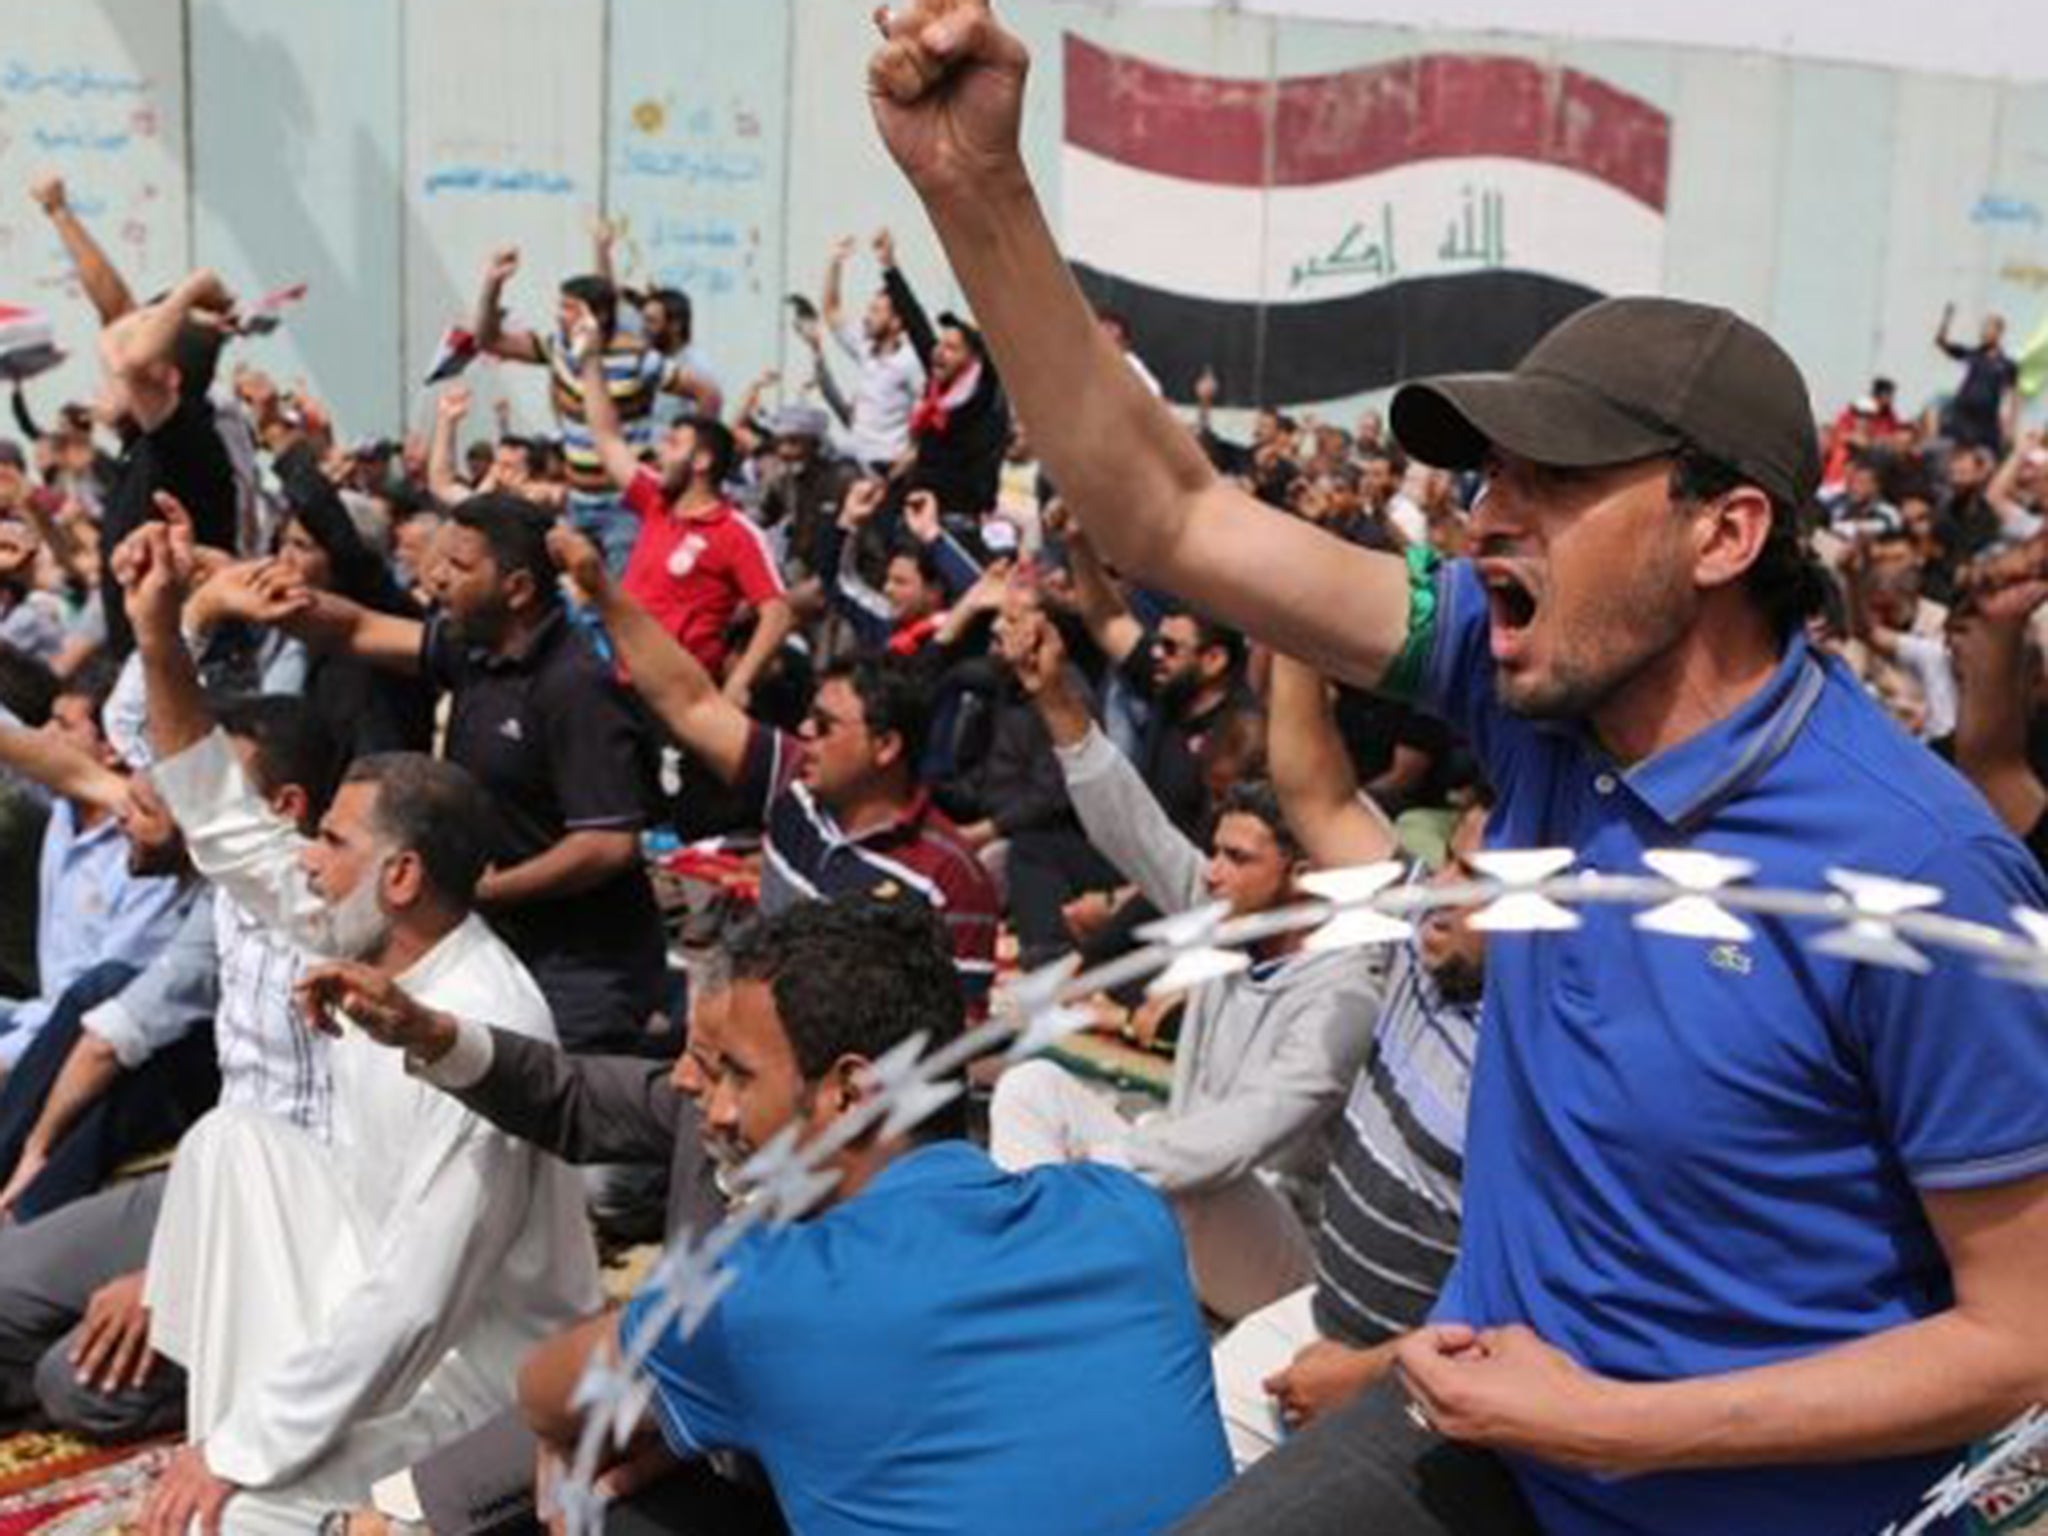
(888, 748)
(1729, 534)
(520, 592)
(852, 1079)
(405, 880)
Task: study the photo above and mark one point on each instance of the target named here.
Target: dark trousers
(482, 1485)
(143, 1111)
(1367, 1470)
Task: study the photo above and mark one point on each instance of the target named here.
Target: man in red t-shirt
(698, 560)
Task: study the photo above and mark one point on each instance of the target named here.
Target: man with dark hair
(1265, 1055)
(551, 736)
(341, 1309)
(1037, 1289)
(634, 374)
(698, 561)
(891, 375)
(1752, 1235)
(1985, 410)
(840, 805)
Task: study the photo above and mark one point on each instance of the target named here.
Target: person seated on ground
(74, 1333)
(1266, 1055)
(840, 806)
(553, 738)
(1389, 1224)
(1028, 1356)
(96, 912)
(584, 1109)
(696, 561)
(340, 1309)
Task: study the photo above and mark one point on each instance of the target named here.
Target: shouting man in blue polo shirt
(1752, 1237)
(947, 1347)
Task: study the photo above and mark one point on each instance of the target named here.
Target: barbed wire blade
(1869, 937)
(900, 1066)
(779, 1175)
(1694, 917)
(1359, 929)
(917, 1102)
(2029, 966)
(1046, 1028)
(1185, 930)
(1521, 908)
(1523, 912)
(1028, 995)
(1882, 896)
(1358, 883)
(1192, 967)
(1522, 866)
(1696, 869)
(581, 1507)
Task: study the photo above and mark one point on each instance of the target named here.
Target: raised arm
(492, 336)
(947, 90)
(104, 286)
(600, 412)
(59, 766)
(674, 683)
(1110, 622)
(831, 303)
(136, 347)
(1313, 776)
(917, 325)
(443, 479)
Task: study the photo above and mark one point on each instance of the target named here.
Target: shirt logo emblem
(1732, 958)
(511, 731)
(687, 554)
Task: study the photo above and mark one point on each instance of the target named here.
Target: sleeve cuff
(466, 1063)
(1089, 756)
(122, 1031)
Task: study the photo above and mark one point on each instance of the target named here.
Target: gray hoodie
(1268, 1055)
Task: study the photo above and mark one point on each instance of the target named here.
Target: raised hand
(864, 499)
(1036, 654)
(375, 1004)
(885, 248)
(947, 91)
(921, 517)
(452, 404)
(48, 192)
(1206, 387)
(499, 269)
(843, 248)
(251, 591)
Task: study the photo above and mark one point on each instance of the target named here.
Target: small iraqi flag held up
(28, 343)
(1316, 237)
(456, 352)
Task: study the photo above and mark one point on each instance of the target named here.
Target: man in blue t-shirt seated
(945, 1346)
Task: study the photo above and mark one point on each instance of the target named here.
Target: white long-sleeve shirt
(469, 1246)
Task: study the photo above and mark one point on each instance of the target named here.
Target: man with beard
(1752, 1235)
(1389, 1226)
(338, 1310)
(697, 561)
(540, 723)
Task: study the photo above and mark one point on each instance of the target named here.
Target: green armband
(1404, 677)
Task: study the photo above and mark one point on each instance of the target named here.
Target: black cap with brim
(1453, 420)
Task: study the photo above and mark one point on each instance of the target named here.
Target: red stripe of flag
(1326, 128)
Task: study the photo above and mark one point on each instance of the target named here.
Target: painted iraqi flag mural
(1321, 236)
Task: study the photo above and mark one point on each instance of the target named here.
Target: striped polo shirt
(807, 856)
(1392, 1199)
(633, 373)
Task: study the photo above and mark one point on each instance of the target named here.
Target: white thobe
(342, 1310)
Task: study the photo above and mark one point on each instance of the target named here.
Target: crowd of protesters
(390, 824)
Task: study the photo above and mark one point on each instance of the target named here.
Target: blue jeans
(608, 524)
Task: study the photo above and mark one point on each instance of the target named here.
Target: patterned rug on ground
(58, 1485)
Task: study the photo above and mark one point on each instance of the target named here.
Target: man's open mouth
(1509, 600)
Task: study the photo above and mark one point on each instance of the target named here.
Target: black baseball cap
(1627, 379)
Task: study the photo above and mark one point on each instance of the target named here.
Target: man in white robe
(342, 1310)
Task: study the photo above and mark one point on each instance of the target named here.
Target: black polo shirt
(185, 456)
(554, 739)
